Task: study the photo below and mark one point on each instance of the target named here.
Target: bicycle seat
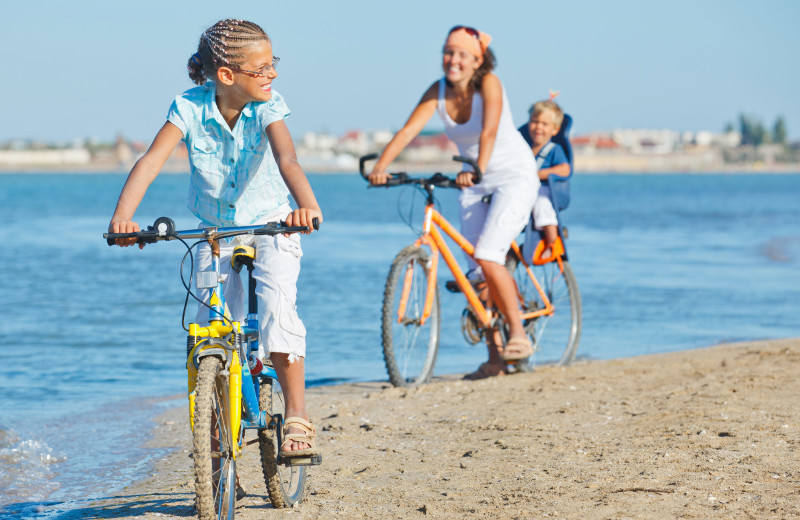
(243, 255)
(559, 186)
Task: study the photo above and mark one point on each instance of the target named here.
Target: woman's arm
(492, 94)
(283, 149)
(416, 122)
(142, 175)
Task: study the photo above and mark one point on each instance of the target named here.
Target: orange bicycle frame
(434, 240)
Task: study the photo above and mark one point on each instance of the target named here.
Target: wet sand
(707, 433)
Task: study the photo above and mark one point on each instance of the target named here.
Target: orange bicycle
(547, 290)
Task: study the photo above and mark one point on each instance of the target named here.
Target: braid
(222, 45)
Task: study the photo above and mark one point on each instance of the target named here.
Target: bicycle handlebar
(438, 179)
(164, 229)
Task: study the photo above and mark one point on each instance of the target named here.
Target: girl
(473, 105)
(243, 166)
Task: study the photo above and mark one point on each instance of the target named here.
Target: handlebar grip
(363, 160)
(477, 175)
(315, 223)
(110, 241)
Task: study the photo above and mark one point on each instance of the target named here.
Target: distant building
(45, 157)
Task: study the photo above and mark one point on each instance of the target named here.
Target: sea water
(92, 346)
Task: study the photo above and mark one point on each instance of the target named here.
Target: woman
(474, 107)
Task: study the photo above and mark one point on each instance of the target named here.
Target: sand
(707, 433)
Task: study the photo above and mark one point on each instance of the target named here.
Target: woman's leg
(503, 291)
(507, 216)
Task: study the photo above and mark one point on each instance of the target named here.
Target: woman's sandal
(517, 349)
(486, 370)
(308, 436)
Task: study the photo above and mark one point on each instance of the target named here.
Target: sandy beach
(707, 433)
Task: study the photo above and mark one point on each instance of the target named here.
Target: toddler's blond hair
(541, 106)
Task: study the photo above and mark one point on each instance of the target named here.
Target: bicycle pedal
(452, 286)
(314, 460)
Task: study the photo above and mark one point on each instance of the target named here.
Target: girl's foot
(299, 438)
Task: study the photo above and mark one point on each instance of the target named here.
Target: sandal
(308, 436)
(517, 349)
(485, 371)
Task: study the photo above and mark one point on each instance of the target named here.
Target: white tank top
(511, 155)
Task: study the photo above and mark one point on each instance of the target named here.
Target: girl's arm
(416, 122)
(142, 175)
(283, 149)
(492, 93)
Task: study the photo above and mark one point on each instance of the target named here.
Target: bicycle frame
(432, 237)
(224, 338)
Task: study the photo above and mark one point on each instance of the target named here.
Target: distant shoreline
(447, 168)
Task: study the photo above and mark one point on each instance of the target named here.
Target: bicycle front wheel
(410, 341)
(285, 484)
(555, 336)
(213, 443)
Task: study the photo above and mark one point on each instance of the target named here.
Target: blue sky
(98, 68)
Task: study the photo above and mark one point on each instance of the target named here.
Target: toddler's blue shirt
(554, 158)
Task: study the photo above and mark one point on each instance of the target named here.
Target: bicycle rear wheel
(409, 345)
(213, 443)
(556, 336)
(285, 484)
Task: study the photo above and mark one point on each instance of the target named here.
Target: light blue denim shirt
(234, 177)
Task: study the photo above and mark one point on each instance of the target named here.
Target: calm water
(92, 340)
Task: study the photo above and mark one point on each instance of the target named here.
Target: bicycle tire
(409, 349)
(555, 337)
(285, 484)
(213, 443)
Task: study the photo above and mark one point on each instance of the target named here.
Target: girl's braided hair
(223, 45)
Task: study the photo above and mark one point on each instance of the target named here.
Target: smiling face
(459, 64)
(542, 127)
(254, 86)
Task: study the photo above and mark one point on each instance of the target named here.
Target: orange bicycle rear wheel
(555, 336)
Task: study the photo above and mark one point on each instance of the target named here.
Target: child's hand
(304, 217)
(124, 226)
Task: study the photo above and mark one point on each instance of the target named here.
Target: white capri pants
(543, 212)
(275, 270)
(492, 227)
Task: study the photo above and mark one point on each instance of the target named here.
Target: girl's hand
(304, 217)
(464, 179)
(124, 226)
(377, 177)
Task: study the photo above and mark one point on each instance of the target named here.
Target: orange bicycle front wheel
(410, 338)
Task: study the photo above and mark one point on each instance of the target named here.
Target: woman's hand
(303, 217)
(378, 177)
(464, 179)
(124, 226)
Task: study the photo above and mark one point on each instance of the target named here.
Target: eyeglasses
(470, 30)
(263, 71)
